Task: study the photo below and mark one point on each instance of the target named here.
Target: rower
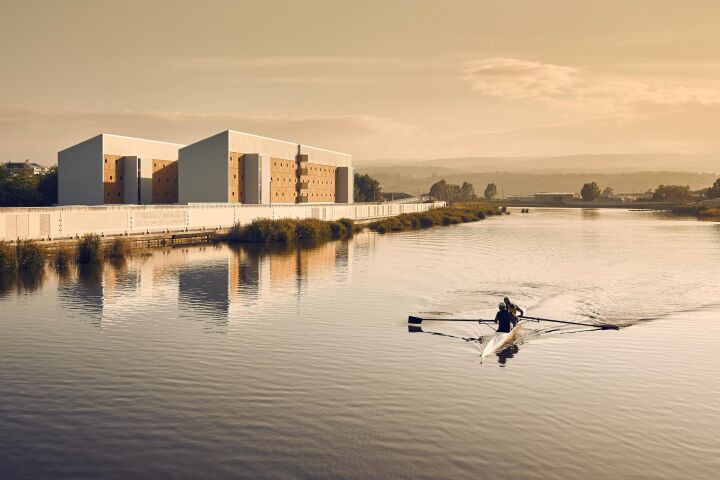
(504, 318)
(514, 309)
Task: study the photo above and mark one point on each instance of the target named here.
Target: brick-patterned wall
(164, 181)
(113, 181)
(318, 182)
(283, 186)
(236, 177)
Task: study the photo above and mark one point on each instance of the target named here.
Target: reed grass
(30, 255)
(63, 258)
(118, 248)
(288, 230)
(89, 250)
(8, 258)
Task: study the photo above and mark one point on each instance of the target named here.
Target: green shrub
(30, 255)
(234, 234)
(89, 250)
(118, 248)
(338, 230)
(349, 224)
(8, 258)
(312, 230)
(425, 220)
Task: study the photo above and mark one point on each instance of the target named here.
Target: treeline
(663, 193)
(23, 189)
(465, 192)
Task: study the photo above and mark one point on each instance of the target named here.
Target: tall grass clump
(8, 258)
(63, 258)
(288, 230)
(30, 255)
(263, 230)
(89, 250)
(118, 248)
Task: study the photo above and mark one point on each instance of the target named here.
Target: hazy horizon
(410, 79)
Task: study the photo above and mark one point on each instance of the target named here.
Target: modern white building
(230, 167)
(112, 169)
(238, 167)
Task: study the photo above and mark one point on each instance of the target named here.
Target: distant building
(25, 167)
(555, 197)
(230, 167)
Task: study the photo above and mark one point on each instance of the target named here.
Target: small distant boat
(500, 339)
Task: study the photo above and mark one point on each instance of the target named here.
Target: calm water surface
(209, 362)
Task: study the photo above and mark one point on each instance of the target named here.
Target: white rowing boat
(500, 339)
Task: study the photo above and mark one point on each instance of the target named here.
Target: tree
(714, 191)
(48, 186)
(438, 190)
(367, 189)
(490, 191)
(467, 192)
(671, 193)
(590, 192)
(449, 192)
(608, 192)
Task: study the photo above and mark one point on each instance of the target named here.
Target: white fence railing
(40, 223)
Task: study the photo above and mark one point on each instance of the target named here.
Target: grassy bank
(439, 216)
(698, 211)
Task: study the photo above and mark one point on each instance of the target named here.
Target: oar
(601, 326)
(419, 320)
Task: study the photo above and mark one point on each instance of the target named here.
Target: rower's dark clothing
(505, 321)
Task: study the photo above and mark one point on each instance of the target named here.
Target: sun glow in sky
(378, 79)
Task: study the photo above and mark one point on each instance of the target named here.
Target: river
(214, 362)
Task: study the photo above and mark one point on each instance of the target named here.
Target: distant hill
(510, 183)
(523, 175)
(615, 163)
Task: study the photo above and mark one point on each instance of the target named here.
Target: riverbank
(701, 212)
(27, 255)
(176, 221)
(593, 204)
(441, 216)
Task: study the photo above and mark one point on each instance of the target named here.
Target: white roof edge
(286, 141)
(143, 139)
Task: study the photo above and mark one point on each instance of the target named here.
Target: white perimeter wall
(66, 222)
(80, 173)
(203, 170)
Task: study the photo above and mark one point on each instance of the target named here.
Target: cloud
(580, 89)
(519, 79)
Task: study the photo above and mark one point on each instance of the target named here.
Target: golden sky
(378, 79)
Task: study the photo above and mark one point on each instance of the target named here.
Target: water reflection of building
(214, 283)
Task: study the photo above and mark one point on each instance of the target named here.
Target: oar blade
(415, 320)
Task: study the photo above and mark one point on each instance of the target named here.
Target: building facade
(112, 169)
(230, 167)
(246, 168)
